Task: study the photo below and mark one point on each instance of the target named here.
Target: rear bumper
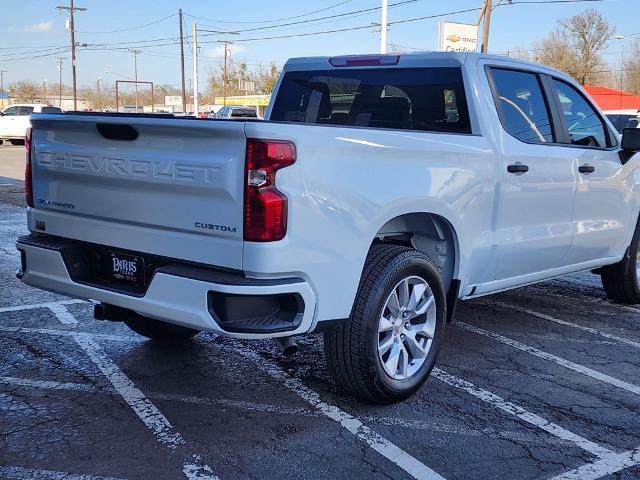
(190, 296)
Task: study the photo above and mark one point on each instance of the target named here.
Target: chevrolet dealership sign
(457, 37)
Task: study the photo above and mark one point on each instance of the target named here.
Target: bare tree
(27, 92)
(632, 70)
(575, 46)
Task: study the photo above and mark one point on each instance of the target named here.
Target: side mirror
(633, 123)
(630, 143)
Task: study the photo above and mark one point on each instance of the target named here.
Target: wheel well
(431, 234)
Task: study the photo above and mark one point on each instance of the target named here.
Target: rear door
(19, 127)
(600, 214)
(169, 187)
(538, 178)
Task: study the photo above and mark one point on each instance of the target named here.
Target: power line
(274, 20)
(30, 57)
(134, 28)
(332, 17)
(556, 1)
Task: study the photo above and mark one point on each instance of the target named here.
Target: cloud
(218, 51)
(39, 27)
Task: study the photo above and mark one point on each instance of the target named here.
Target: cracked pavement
(60, 413)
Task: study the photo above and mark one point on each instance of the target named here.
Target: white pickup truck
(378, 191)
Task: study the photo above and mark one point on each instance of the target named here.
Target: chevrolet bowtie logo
(454, 38)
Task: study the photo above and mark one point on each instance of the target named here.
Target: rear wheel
(16, 142)
(386, 349)
(158, 330)
(622, 280)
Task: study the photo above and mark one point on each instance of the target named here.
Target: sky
(33, 34)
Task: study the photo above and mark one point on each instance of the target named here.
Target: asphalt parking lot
(542, 382)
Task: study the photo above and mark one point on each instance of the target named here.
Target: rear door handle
(518, 168)
(586, 169)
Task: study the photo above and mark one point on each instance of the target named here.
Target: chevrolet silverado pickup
(378, 191)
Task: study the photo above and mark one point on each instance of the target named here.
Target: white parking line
(148, 413)
(605, 466)
(582, 297)
(553, 358)
(522, 414)
(33, 306)
(21, 473)
(544, 316)
(70, 333)
(436, 425)
(374, 440)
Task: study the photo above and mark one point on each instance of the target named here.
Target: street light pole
(383, 27)
(183, 89)
(195, 69)
(620, 37)
(60, 82)
(98, 102)
(2, 72)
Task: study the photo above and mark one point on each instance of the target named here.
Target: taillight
(265, 208)
(28, 177)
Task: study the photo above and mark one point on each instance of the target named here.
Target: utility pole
(2, 72)
(44, 87)
(135, 72)
(184, 99)
(383, 27)
(224, 73)
(486, 24)
(72, 10)
(195, 69)
(60, 82)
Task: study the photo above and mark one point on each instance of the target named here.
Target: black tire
(351, 348)
(622, 281)
(158, 330)
(16, 142)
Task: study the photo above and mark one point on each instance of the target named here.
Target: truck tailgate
(164, 186)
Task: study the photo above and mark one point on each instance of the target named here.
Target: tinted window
(620, 122)
(243, 112)
(25, 110)
(11, 111)
(51, 110)
(430, 99)
(582, 122)
(522, 107)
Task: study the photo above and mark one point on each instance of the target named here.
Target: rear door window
(428, 99)
(521, 105)
(25, 110)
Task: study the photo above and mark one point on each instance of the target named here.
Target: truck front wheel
(386, 349)
(157, 330)
(622, 280)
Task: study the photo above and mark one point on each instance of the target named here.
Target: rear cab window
(426, 99)
(51, 110)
